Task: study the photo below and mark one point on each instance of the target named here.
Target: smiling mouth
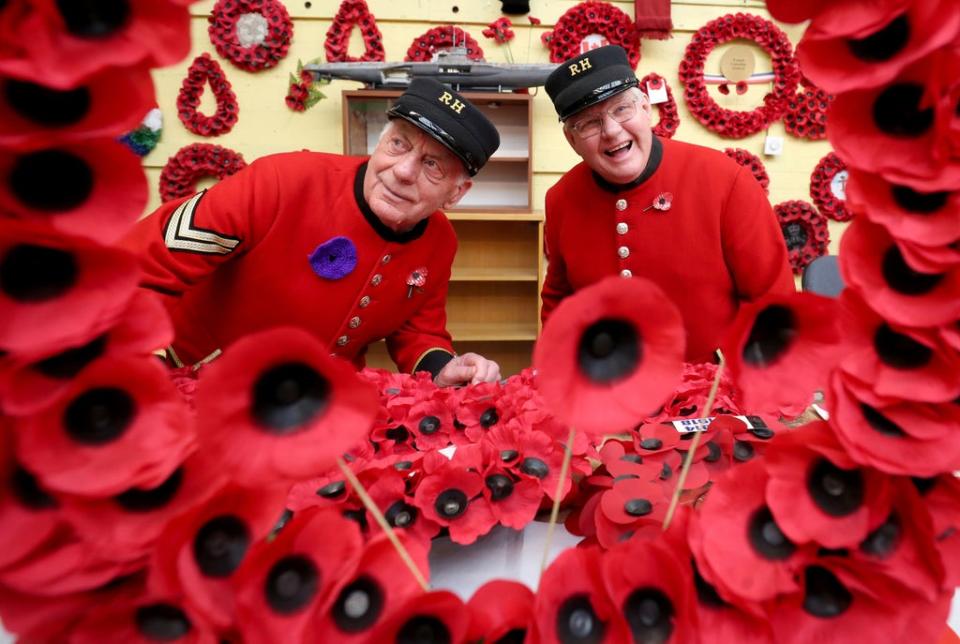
(619, 150)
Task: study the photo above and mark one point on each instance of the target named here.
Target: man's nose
(609, 125)
(407, 167)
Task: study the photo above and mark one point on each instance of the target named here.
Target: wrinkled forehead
(424, 141)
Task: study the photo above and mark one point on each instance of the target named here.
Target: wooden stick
(682, 478)
(379, 518)
(555, 510)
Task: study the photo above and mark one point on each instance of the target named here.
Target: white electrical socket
(773, 146)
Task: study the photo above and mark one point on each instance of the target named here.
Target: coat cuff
(433, 361)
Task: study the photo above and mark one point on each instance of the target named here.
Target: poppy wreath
(806, 116)
(587, 18)
(821, 188)
(736, 124)
(252, 34)
(669, 116)
(205, 69)
(804, 231)
(354, 13)
(753, 163)
(182, 171)
(424, 46)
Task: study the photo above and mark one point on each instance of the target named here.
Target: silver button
(623, 252)
(621, 204)
(626, 273)
(376, 279)
(342, 340)
(364, 301)
(386, 259)
(354, 322)
(622, 228)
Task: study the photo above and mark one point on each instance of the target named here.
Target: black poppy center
(398, 434)
(903, 279)
(451, 503)
(513, 636)
(900, 351)
(766, 537)
(288, 396)
(743, 451)
(884, 539)
(31, 273)
(332, 490)
(423, 629)
(508, 455)
(824, 596)
(534, 467)
(651, 443)
(400, 514)
(649, 612)
(30, 180)
(774, 330)
(358, 606)
(47, 106)
(577, 623)
(489, 417)
(291, 584)
(713, 452)
(880, 423)
(28, 491)
(220, 545)
(638, 507)
(706, 593)
(500, 486)
(836, 491)
(609, 350)
(67, 364)
(795, 234)
(162, 622)
(99, 416)
(429, 425)
(918, 203)
(897, 112)
(883, 44)
(94, 18)
(139, 500)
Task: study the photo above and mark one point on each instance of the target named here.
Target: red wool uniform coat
(718, 245)
(235, 259)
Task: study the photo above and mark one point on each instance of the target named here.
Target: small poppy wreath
(354, 13)
(182, 171)
(821, 188)
(736, 124)
(252, 34)
(203, 69)
(669, 116)
(753, 163)
(587, 18)
(804, 231)
(426, 44)
(806, 116)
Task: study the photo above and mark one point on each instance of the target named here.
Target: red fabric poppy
(33, 381)
(634, 502)
(655, 438)
(897, 361)
(28, 512)
(200, 550)
(453, 498)
(500, 610)
(513, 500)
(610, 355)
(276, 406)
(942, 498)
(721, 621)
(324, 491)
(618, 461)
(379, 588)
(653, 589)
(285, 582)
(101, 188)
(872, 263)
(478, 410)
(436, 616)
(145, 619)
(63, 43)
(541, 459)
(388, 487)
(431, 422)
(572, 602)
(853, 45)
(119, 424)
(780, 349)
(910, 215)
(818, 493)
(792, 11)
(108, 103)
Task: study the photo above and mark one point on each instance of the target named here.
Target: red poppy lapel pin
(662, 202)
(416, 280)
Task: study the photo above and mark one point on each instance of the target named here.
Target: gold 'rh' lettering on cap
(447, 99)
(582, 66)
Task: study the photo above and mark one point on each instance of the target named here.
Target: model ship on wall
(450, 66)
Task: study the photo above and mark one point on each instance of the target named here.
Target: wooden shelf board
(465, 215)
(477, 331)
(474, 274)
(509, 159)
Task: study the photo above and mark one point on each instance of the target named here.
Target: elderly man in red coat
(353, 250)
(681, 215)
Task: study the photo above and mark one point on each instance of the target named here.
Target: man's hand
(469, 368)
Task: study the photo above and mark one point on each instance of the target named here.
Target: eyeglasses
(591, 126)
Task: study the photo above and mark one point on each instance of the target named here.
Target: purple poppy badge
(334, 259)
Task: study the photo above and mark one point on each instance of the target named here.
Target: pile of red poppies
(426, 44)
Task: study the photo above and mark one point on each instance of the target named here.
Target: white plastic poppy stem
(682, 478)
(382, 522)
(555, 510)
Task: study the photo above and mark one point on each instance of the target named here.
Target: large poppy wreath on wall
(354, 13)
(589, 18)
(669, 117)
(806, 116)
(736, 124)
(753, 163)
(804, 231)
(203, 69)
(828, 188)
(193, 162)
(252, 34)
(425, 45)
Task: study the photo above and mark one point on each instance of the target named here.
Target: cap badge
(453, 103)
(580, 67)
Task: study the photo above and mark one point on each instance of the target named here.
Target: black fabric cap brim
(601, 86)
(413, 108)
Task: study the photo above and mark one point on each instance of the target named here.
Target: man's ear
(457, 194)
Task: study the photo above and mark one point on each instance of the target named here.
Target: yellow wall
(266, 125)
